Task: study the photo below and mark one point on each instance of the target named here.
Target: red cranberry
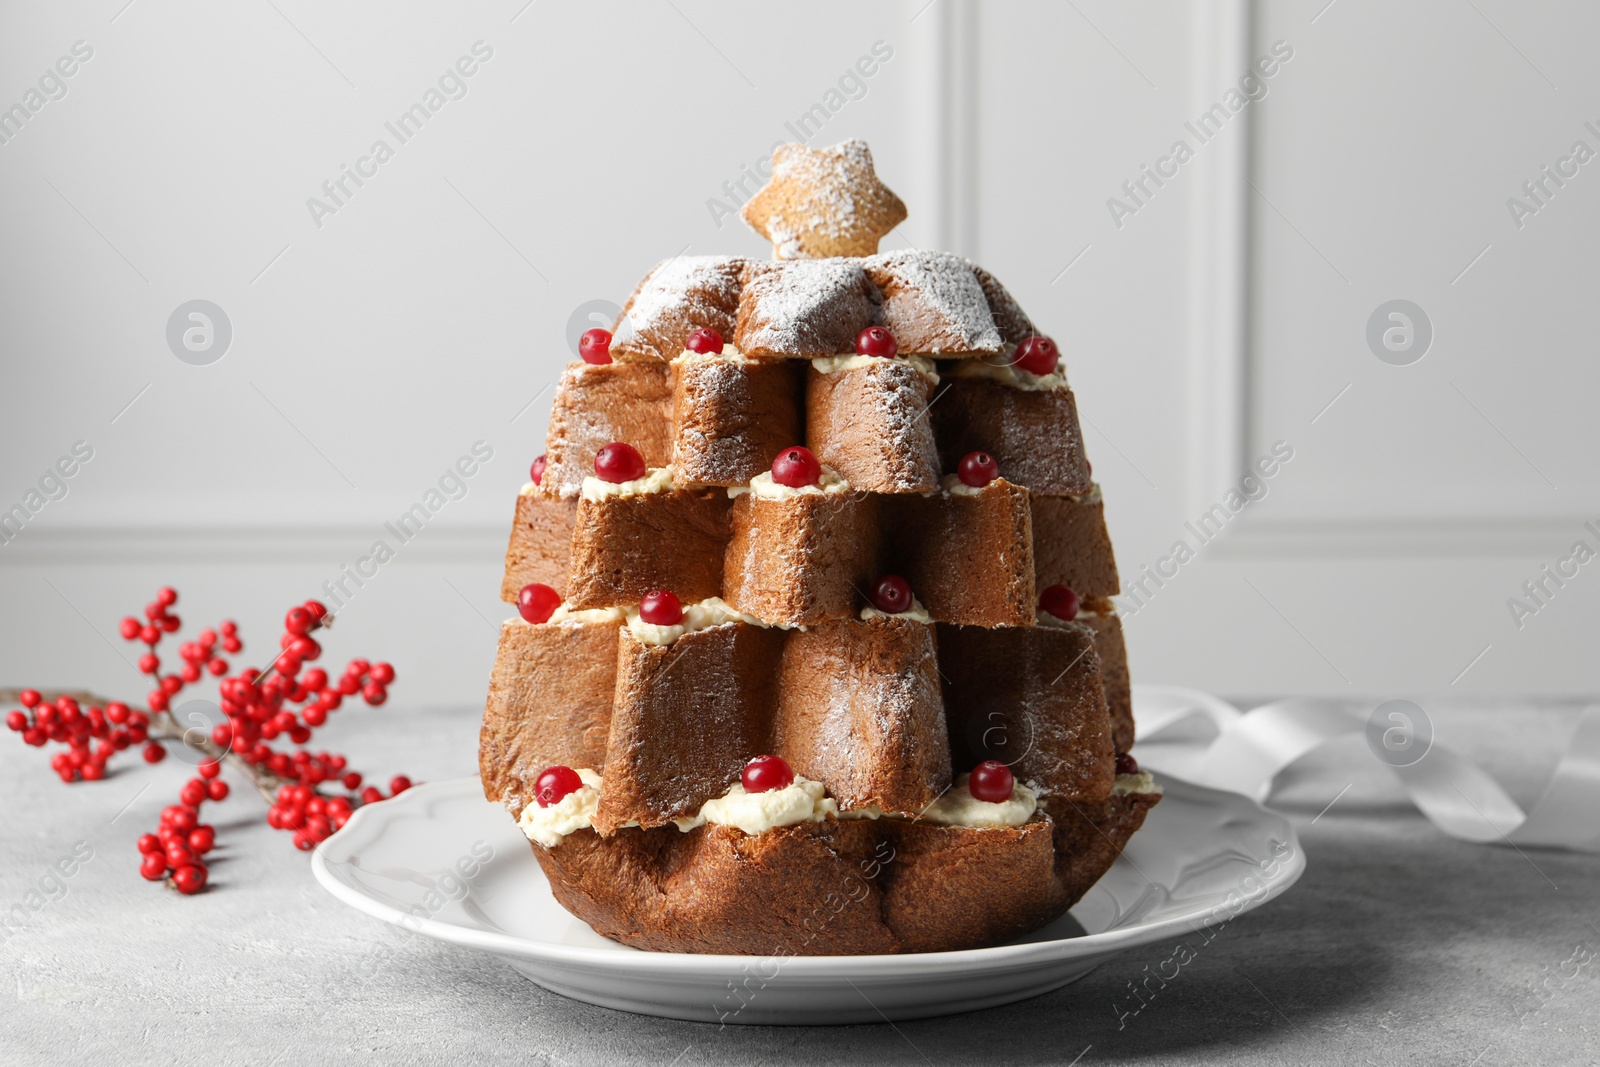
(1059, 601)
(705, 340)
(1037, 355)
(766, 773)
(1126, 764)
(796, 468)
(554, 784)
(977, 469)
(536, 471)
(618, 462)
(661, 608)
(189, 879)
(595, 346)
(876, 341)
(536, 603)
(891, 594)
(991, 781)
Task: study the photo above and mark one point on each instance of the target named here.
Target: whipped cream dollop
(1006, 373)
(729, 354)
(582, 616)
(549, 826)
(855, 361)
(958, 807)
(1134, 783)
(954, 486)
(656, 480)
(916, 613)
(801, 801)
(764, 486)
(698, 616)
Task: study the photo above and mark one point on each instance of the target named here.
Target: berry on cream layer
(729, 354)
(766, 487)
(655, 480)
(1008, 373)
(690, 617)
(916, 613)
(855, 361)
(800, 801)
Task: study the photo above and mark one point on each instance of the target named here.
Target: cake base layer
(841, 887)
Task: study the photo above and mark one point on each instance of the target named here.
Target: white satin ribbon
(1247, 750)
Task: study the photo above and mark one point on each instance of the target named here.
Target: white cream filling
(801, 801)
(854, 361)
(763, 486)
(582, 616)
(1007, 373)
(953, 485)
(548, 826)
(958, 807)
(1134, 783)
(700, 616)
(729, 354)
(916, 613)
(528, 489)
(656, 480)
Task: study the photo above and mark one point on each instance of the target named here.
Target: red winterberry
(149, 663)
(298, 621)
(374, 694)
(129, 628)
(796, 467)
(399, 784)
(149, 635)
(977, 469)
(154, 753)
(536, 603)
(217, 789)
(1059, 601)
(193, 792)
(166, 596)
(352, 781)
(149, 843)
(209, 768)
(595, 346)
(317, 608)
(30, 698)
(202, 839)
(371, 795)
(555, 784)
(382, 673)
(618, 462)
(1037, 355)
(891, 594)
(705, 340)
(1126, 764)
(17, 721)
(766, 773)
(661, 607)
(876, 341)
(189, 879)
(536, 471)
(991, 781)
(153, 866)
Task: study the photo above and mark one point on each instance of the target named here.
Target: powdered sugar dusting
(934, 304)
(677, 297)
(805, 308)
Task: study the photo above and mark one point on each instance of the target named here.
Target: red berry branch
(310, 794)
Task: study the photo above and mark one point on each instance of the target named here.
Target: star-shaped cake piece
(823, 202)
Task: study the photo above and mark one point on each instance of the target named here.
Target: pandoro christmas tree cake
(815, 651)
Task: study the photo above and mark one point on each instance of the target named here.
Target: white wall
(426, 314)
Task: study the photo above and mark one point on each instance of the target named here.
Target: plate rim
(655, 963)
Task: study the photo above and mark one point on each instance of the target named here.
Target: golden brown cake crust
(732, 417)
(871, 425)
(626, 546)
(549, 702)
(802, 560)
(597, 404)
(1113, 653)
(1071, 546)
(859, 710)
(540, 549)
(1033, 434)
(680, 295)
(969, 558)
(839, 887)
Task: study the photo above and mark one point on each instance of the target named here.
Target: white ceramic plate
(444, 862)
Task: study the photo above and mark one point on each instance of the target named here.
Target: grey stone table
(1399, 946)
